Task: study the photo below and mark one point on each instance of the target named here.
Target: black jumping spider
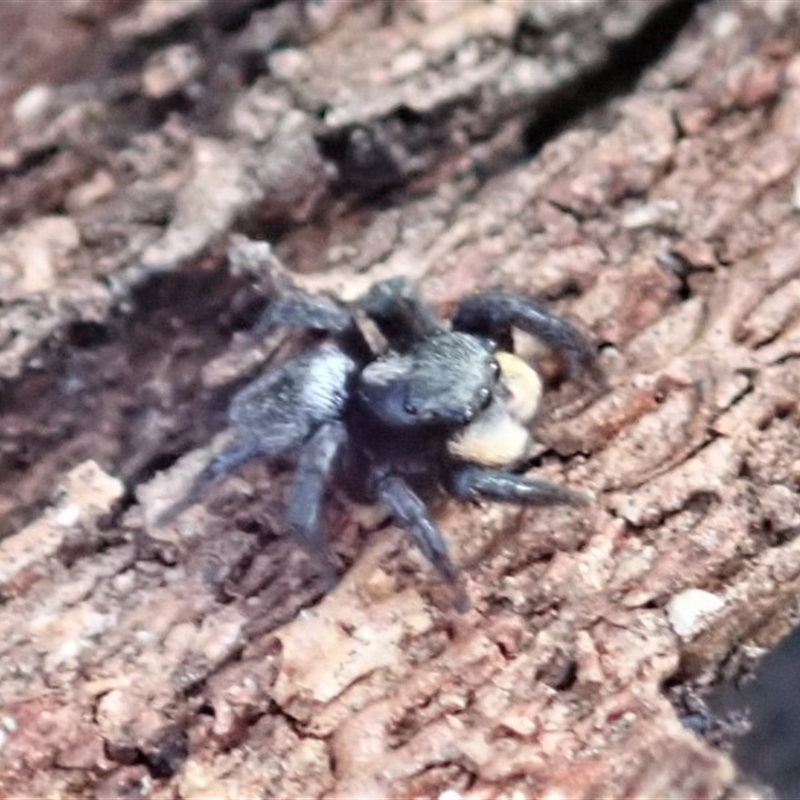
(441, 408)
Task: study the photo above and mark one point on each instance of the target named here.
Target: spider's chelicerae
(441, 408)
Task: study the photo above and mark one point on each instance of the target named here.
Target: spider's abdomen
(282, 408)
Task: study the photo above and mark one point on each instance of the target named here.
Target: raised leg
(494, 313)
(305, 505)
(412, 514)
(300, 309)
(398, 311)
(473, 483)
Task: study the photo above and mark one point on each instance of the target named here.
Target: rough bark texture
(363, 140)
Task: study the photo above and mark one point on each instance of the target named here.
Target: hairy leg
(398, 311)
(224, 463)
(305, 505)
(300, 309)
(412, 514)
(494, 313)
(469, 482)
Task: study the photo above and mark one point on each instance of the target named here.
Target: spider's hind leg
(301, 309)
(398, 311)
(277, 413)
(495, 312)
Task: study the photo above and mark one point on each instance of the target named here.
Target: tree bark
(634, 164)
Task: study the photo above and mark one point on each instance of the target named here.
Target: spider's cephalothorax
(442, 408)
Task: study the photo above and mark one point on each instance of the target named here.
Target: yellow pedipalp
(499, 437)
(523, 384)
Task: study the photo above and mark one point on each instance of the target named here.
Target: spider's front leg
(495, 312)
(470, 482)
(412, 514)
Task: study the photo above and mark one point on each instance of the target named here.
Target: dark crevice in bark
(366, 157)
(626, 62)
(88, 385)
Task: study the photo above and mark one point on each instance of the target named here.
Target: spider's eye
(484, 398)
(495, 370)
(410, 408)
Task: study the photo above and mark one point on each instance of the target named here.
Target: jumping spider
(442, 408)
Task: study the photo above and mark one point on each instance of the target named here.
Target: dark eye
(410, 408)
(495, 370)
(484, 398)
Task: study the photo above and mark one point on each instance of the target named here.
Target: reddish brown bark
(197, 659)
